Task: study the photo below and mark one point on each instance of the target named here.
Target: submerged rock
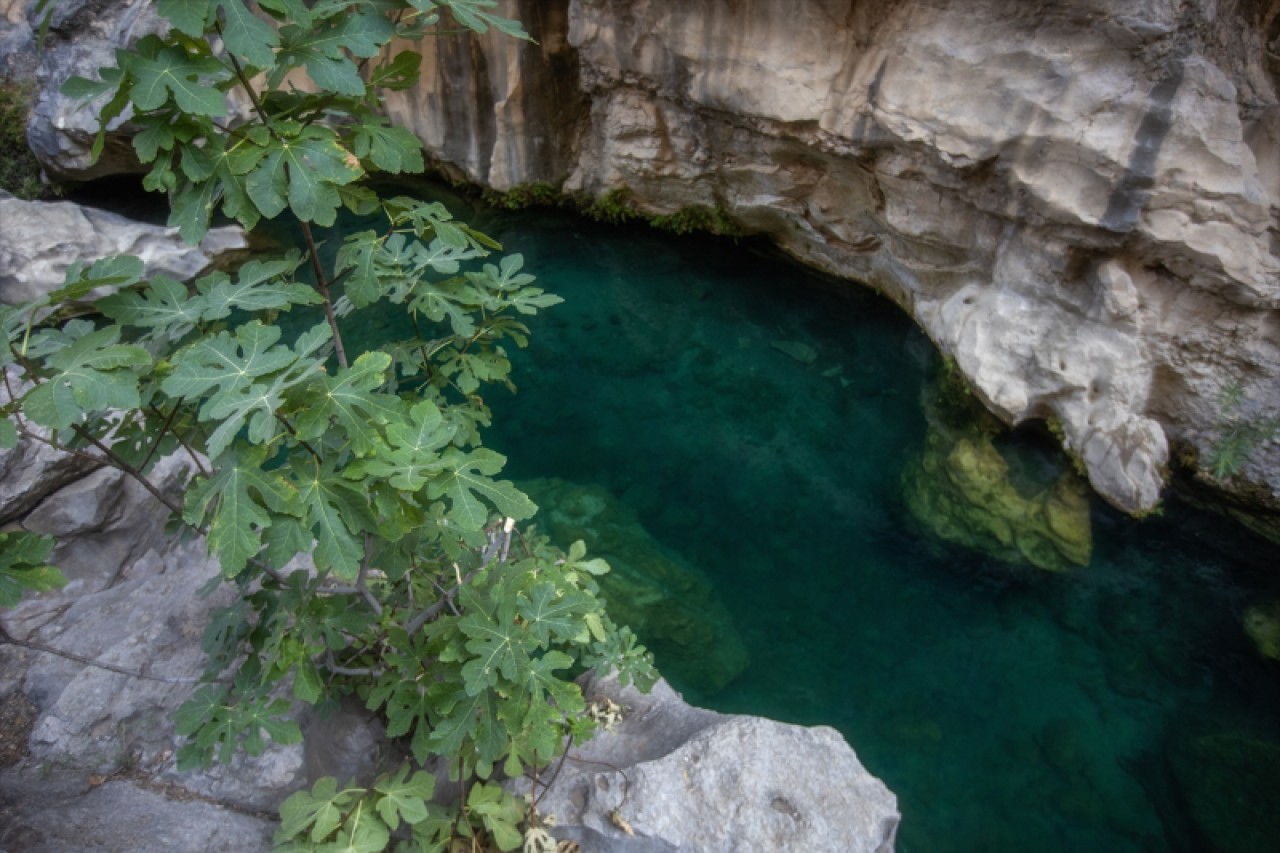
(798, 350)
(1262, 624)
(960, 489)
(41, 239)
(670, 605)
(1213, 774)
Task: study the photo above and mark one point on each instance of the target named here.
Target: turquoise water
(754, 420)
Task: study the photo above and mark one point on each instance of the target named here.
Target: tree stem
(128, 469)
(155, 445)
(322, 285)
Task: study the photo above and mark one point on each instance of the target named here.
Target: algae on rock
(667, 602)
(1262, 624)
(961, 489)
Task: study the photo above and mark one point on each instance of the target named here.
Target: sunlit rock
(684, 778)
(1077, 201)
(41, 239)
(667, 602)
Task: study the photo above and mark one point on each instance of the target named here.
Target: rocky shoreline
(90, 747)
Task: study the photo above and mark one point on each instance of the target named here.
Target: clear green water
(1008, 708)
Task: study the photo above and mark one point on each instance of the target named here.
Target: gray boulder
(43, 814)
(674, 777)
(133, 603)
(40, 239)
(83, 37)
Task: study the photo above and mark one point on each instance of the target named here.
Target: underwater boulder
(1262, 624)
(1220, 777)
(960, 488)
(669, 603)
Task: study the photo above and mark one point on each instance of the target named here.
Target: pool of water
(750, 423)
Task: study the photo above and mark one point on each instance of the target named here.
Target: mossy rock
(1262, 624)
(670, 605)
(960, 489)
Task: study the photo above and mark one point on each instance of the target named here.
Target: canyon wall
(1076, 199)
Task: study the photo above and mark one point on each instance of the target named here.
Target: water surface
(755, 420)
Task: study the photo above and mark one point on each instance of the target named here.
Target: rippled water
(751, 423)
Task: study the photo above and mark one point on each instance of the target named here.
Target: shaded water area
(739, 429)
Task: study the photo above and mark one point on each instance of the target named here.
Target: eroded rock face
(41, 239)
(83, 37)
(1076, 199)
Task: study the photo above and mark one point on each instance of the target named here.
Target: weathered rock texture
(83, 36)
(39, 240)
(683, 778)
(1076, 199)
(97, 771)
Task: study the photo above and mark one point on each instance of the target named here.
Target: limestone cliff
(1076, 199)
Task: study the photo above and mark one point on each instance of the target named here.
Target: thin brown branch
(155, 445)
(191, 453)
(44, 439)
(124, 466)
(261, 565)
(244, 82)
(568, 739)
(322, 285)
(361, 671)
(445, 600)
(6, 637)
(294, 432)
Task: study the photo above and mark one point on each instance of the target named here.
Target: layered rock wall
(1075, 199)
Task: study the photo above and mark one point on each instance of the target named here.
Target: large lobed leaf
(92, 373)
(236, 500)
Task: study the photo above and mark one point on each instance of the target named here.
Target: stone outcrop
(83, 36)
(1207, 768)
(41, 239)
(54, 814)
(1075, 198)
(674, 777)
(1262, 624)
